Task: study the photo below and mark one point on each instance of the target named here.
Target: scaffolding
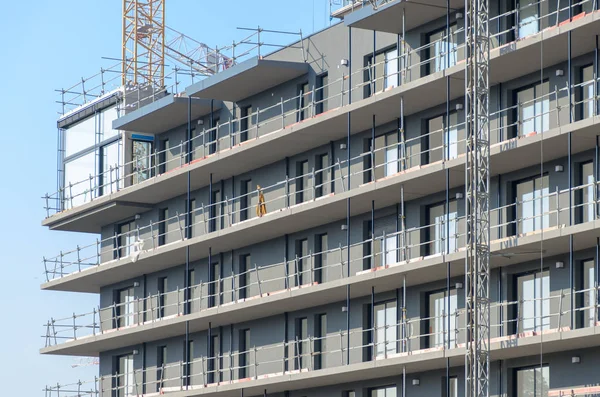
(389, 343)
(477, 358)
(474, 241)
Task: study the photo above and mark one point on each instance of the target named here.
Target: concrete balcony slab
(165, 114)
(247, 79)
(388, 17)
(418, 95)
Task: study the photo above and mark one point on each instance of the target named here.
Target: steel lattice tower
(477, 360)
(143, 46)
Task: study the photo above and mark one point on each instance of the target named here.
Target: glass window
(442, 49)
(444, 137)
(194, 303)
(107, 116)
(587, 192)
(192, 218)
(163, 216)
(453, 383)
(589, 285)
(533, 205)
(244, 358)
(126, 307)
(320, 340)
(385, 328)
(109, 177)
(125, 379)
(78, 187)
(383, 72)
(587, 91)
(214, 373)
(162, 291)
(532, 382)
(302, 178)
(214, 288)
(126, 237)
(534, 106)
(529, 23)
(142, 164)
(80, 136)
(386, 155)
(442, 237)
(322, 93)
(161, 361)
(246, 122)
(244, 278)
(302, 260)
(534, 292)
(442, 305)
(216, 208)
(213, 135)
(303, 352)
(321, 247)
(165, 155)
(323, 175)
(387, 391)
(245, 199)
(304, 99)
(450, 386)
(391, 68)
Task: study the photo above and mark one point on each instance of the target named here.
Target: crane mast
(143, 46)
(477, 358)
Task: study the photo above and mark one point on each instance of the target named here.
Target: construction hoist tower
(477, 359)
(143, 45)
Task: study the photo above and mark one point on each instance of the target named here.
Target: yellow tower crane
(147, 41)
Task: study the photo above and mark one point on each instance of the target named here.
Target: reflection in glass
(141, 161)
(78, 187)
(385, 328)
(533, 382)
(441, 306)
(533, 205)
(534, 292)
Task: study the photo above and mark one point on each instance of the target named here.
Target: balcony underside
(515, 154)
(388, 17)
(165, 114)
(505, 348)
(414, 272)
(418, 95)
(247, 79)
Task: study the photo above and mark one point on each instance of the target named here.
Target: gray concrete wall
(420, 150)
(267, 258)
(563, 374)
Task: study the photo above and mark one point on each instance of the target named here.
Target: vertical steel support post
(597, 283)
(571, 282)
(348, 285)
(349, 116)
(373, 150)
(373, 329)
(373, 255)
(596, 78)
(188, 233)
(570, 178)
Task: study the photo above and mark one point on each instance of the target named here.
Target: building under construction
(402, 204)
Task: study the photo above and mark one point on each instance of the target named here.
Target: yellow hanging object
(261, 207)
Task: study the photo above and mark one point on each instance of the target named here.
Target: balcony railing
(286, 112)
(380, 252)
(379, 342)
(314, 185)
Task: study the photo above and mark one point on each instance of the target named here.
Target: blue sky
(45, 45)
